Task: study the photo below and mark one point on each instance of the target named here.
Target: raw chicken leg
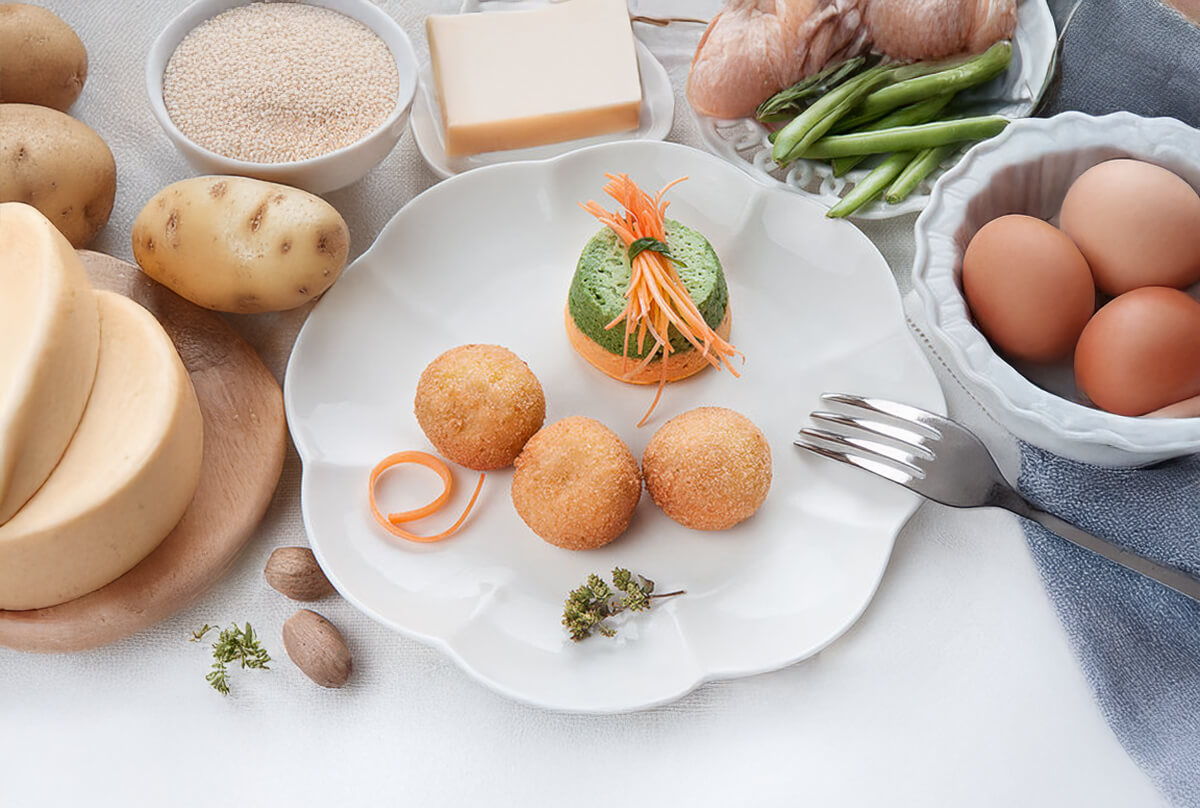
(933, 29)
(754, 48)
(748, 51)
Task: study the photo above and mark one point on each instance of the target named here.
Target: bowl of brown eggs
(1058, 267)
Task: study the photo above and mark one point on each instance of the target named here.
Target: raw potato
(240, 245)
(42, 61)
(58, 165)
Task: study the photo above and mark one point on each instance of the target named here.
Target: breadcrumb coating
(576, 484)
(708, 468)
(478, 405)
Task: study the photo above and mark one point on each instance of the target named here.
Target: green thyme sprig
(234, 644)
(587, 607)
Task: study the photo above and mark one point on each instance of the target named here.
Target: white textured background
(956, 687)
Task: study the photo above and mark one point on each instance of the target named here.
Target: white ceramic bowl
(327, 172)
(1028, 169)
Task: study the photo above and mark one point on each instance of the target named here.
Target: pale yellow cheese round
(126, 478)
(49, 336)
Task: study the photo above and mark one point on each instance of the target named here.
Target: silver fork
(945, 462)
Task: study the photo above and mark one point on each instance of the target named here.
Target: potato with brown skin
(42, 60)
(240, 245)
(58, 165)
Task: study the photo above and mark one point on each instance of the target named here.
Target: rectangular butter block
(515, 79)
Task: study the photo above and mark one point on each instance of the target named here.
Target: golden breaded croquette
(708, 468)
(478, 405)
(576, 484)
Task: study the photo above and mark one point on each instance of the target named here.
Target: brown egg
(1136, 224)
(1028, 287)
(1141, 351)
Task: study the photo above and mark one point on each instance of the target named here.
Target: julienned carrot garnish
(391, 523)
(656, 299)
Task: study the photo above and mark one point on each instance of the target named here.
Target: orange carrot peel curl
(656, 299)
(393, 521)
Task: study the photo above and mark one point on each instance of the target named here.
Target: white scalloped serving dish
(1028, 169)
(487, 256)
(743, 141)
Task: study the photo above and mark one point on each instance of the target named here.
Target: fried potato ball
(708, 468)
(576, 484)
(478, 405)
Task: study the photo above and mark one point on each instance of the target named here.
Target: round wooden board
(245, 437)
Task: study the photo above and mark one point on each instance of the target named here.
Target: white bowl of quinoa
(312, 94)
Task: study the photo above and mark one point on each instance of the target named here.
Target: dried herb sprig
(199, 633)
(587, 607)
(233, 644)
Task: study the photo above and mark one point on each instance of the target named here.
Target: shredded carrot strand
(391, 523)
(662, 383)
(656, 300)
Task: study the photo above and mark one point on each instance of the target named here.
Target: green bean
(872, 185)
(808, 126)
(788, 103)
(920, 112)
(843, 165)
(921, 166)
(907, 138)
(958, 76)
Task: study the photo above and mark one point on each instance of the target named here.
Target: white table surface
(957, 686)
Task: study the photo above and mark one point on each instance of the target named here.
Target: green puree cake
(597, 295)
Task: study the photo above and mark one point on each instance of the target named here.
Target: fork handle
(1179, 581)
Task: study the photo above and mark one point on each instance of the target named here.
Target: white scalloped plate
(487, 256)
(1028, 169)
(744, 143)
(657, 115)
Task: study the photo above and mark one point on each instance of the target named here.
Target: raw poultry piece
(754, 48)
(934, 29)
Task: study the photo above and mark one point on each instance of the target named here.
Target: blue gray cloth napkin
(1137, 642)
(1136, 55)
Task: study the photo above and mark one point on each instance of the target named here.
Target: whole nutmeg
(294, 573)
(317, 648)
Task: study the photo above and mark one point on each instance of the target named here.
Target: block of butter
(515, 79)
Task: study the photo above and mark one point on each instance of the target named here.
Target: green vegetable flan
(597, 295)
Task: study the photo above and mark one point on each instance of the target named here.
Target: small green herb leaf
(587, 607)
(653, 245)
(199, 633)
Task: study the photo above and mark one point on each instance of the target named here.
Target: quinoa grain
(279, 82)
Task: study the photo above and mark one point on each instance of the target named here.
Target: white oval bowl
(326, 172)
(1028, 169)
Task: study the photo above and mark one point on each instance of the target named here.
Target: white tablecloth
(957, 687)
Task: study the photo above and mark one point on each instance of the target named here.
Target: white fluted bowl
(1028, 169)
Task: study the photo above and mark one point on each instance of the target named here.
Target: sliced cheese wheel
(49, 334)
(126, 477)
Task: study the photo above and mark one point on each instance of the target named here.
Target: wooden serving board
(245, 437)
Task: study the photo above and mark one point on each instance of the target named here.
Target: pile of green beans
(856, 109)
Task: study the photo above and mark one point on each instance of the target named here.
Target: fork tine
(911, 439)
(866, 464)
(873, 450)
(911, 416)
